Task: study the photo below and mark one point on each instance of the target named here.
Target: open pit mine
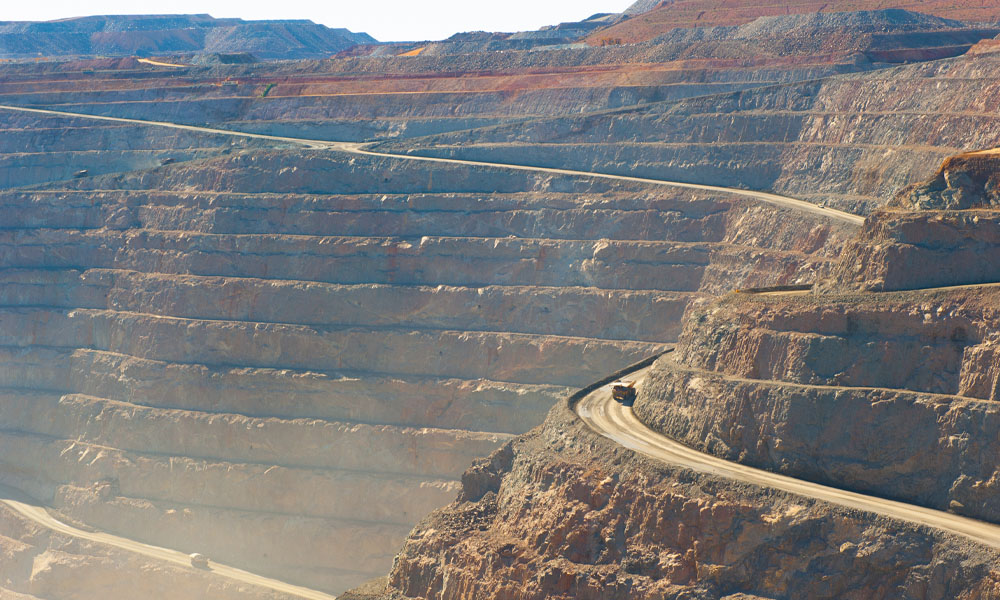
(286, 312)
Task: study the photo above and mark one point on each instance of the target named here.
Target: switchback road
(39, 515)
(356, 148)
(609, 418)
(616, 422)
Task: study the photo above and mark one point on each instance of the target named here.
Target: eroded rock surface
(942, 232)
(209, 342)
(573, 515)
(891, 393)
(284, 357)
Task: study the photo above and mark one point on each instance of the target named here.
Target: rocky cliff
(893, 396)
(283, 358)
(851, 140)
(893, 393)
(564, 513)
(942, 232)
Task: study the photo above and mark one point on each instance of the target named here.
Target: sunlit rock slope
(283, 358)
(861, 385)
(850, 140)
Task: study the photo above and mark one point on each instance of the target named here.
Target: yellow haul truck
(623, 392)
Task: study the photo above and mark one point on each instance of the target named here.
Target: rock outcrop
(564, 513)
(942, 232)
(893, 393)
(308, 348)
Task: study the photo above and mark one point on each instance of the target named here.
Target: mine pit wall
(899, 250)
(942, 232)
(285, 393)
(39, 565)
(638, 214)
(354, 105)
(641, 315)
(213, 347)
(563, 512)
(920, 341)
(39, 149)
(526, 358)
(893, 395)
(850, 141)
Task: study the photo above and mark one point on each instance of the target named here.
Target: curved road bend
(42, 517)
(603, 414)
(357, 148)
(612, 420)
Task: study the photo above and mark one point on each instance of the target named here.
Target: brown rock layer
(942, 232)
(561, 513)
(279, 345)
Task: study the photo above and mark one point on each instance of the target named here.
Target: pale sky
(386, 20)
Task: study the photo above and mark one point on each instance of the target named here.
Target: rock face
(652, 18)
(963, 182)
(38, 563)
(562, 513)
(901, 250)
(943, 232)
(932, 449)
(891, 393)
(850, 141)
(283, 358)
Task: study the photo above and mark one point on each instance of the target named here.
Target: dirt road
(157, 63)
(356, 148)
(38, 514)
(612, 420)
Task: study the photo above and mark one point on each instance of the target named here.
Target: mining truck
(198, 561)
(623, 392)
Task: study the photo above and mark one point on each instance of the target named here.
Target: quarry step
(504, 407)
(581, 312)
(506, 356)
(289, 443)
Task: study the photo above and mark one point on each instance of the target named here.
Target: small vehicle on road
(623, 392)
(199, 561)
(81, 173)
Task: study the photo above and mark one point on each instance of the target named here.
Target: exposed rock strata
(928, 449)
(651, 18)
(916, 341)
(892, 393)
(851, 141)
(942, 232)
(566, 514)
(279, 344)
(37, 564)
